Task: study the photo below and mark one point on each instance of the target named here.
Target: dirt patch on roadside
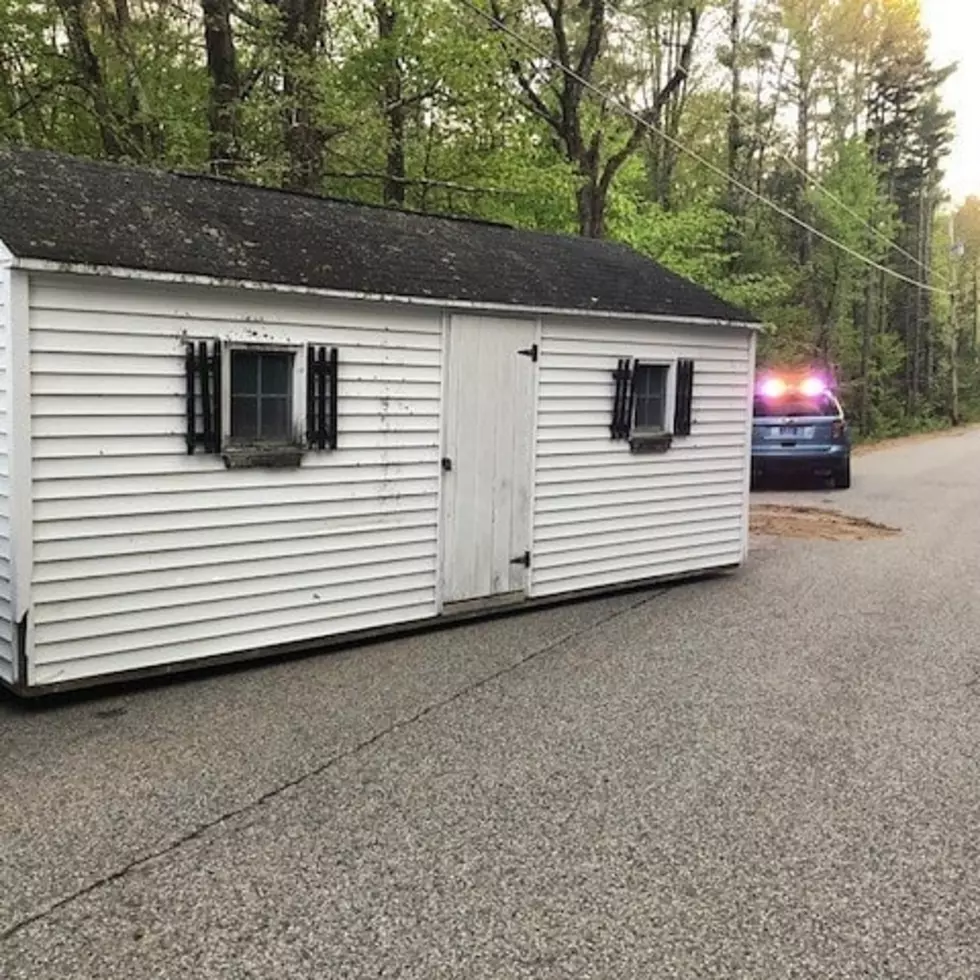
(815, 523)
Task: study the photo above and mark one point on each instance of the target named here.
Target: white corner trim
(747, 488)
(19, 461)
(6, 256)
(120, 272)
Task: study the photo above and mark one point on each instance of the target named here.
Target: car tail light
(838, 429)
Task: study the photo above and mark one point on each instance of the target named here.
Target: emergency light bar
(775, 387)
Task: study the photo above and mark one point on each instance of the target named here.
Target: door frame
(441, 495)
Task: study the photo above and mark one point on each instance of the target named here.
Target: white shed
(240, 421)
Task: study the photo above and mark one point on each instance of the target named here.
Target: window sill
(650, 442)
(277, 457)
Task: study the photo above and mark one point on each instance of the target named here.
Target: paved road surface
(773, 775)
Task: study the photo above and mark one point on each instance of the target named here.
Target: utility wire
(814, 182)
(616, 103)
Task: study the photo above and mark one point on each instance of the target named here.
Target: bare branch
(649, 116)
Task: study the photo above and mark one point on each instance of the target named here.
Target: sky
(955, 29)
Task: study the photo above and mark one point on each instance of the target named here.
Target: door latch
(524, 560)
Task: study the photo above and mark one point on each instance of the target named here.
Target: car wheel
(842, 478)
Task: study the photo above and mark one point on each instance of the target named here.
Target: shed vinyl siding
(604, 516)
(144, 555)
(6, 596)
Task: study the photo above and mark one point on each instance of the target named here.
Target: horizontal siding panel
(144, 554)
(393, 513)
(172, 425)
(76, 447)
(73, 541)
(690, 463)
(617, 548)
(374, 379)
(641, 340)
(57, 642)
(163, 327)
(593, 370)
(645, 525)
(283, 486)
(355, 461)
(698, 475)
(700, 446)
(366, 405)
(639, 496)
(173, 502)
(239, 306)
(562, 454)
(173, 602)
(117, 575)
(691, 561)
(69, 662)
(152, 344)
(606, 516)
(597, 387)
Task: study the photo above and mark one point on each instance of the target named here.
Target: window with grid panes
(650, 397)
(261, 396)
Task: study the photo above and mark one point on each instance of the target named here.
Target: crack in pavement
(271, 794)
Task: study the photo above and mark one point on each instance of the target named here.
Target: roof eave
(146, 275)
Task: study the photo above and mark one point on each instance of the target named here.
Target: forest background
(787, 154)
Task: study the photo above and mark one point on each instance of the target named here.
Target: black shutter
(622, 415)
(202, 362)
(321, 397)
(684, 399)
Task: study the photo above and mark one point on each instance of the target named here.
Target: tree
(224, 100)
(587, 135)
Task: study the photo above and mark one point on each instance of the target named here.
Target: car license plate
(791, 432)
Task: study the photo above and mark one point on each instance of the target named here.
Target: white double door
(488, 461)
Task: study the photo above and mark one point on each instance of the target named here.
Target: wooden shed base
(451, 616)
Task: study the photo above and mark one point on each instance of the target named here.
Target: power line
(814, 182)
(499, 25)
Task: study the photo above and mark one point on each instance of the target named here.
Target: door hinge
(531, 352)
(447, 464)
(524, 560)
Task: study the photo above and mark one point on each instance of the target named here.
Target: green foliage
(434, 105)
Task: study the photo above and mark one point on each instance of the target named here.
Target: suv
(799, 428)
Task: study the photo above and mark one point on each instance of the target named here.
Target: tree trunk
(734, 109)
(144, 139)
(224, 101)
(392, 105)
(303, 136)
(591, 209)
(803, 161)
(89, 72)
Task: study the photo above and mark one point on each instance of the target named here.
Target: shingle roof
(66, 209)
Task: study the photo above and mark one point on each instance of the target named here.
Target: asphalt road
(772, 775)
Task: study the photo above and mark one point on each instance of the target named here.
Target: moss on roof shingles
(66, 209)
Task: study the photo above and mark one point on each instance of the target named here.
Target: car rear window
(794, 407)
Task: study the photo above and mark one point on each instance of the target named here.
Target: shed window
(261, 396)
(650, 397)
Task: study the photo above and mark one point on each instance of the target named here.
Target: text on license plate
(791, 432)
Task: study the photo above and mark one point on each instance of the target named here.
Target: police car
(799, 428)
